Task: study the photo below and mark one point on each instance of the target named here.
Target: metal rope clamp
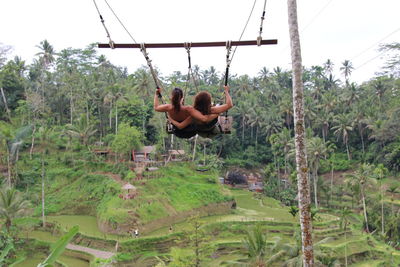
(228, 52)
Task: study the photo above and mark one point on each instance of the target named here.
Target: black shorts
(186, 132)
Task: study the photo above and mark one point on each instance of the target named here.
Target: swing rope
(259, 38)
(190, 74)
(228, 65)
(110, 41)
(142, 49)
(228, 58)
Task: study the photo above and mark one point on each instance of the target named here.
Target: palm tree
(301, 155)
(380, 89)
(342, 128)
(82, 131)
(12, 141)
(144, 85)
(242, 109)
(272, 122)
(331, 150)
(285, 141)
(293, 252)
(255, 243)
(377, 129)
(323, 121)
(347, 68)
(328, 66)
(345, 215)
(351, 94)
(316, 150)
(46, 54)
(12, 205)
(392, 190)
(286, 109)
(380, 172)
(363, 178)
(359, 120)
(45, 144)
(264, 74)
(255, 121)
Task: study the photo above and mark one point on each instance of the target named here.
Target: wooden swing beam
(196, 44)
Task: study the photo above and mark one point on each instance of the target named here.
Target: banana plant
(59, 247)
(5, 252)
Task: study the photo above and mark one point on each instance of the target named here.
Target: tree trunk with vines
(301, 155)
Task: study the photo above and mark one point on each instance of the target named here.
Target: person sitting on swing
(204, 115)
(179, 113)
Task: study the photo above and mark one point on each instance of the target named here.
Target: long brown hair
(177, 95)
(202, 102)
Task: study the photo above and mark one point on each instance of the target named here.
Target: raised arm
(224, 107)
(157, 106)
(181, 125)
(197, 115)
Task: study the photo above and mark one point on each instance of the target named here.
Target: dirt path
(97, 253)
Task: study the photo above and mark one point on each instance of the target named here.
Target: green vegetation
(59, 247)
(70, 120)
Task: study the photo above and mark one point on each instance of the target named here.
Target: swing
(224, 122)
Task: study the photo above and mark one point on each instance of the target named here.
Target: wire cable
(387, 36)
(316, 16)
(245, 26)
(120, 22)
(369, 60)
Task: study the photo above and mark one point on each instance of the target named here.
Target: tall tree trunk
(71, 107)
(348, 151)
(331, 181)
(286, 161)
(5, 103)
(194, 147)
(33, 141)
(299, 127)
(382, 215)
(256, 138)
(43, 200)
(8, 168)
(87, 113)
(345, 246)
(362, 140)
(116, 118)
(242, 130)
(364, 209)
(315, 189)
(110, 116)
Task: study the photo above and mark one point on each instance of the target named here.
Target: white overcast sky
(334, 29)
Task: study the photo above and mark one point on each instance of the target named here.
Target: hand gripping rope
(157, 82)
(153, 73)
(226, 123)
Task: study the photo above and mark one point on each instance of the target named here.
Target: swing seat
(184, 133)
(225, 124)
